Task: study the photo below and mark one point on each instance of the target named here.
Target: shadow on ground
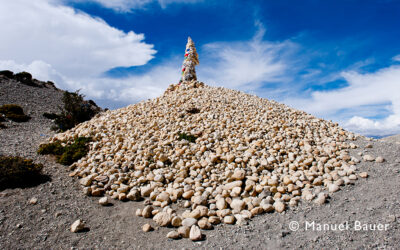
(25, 181)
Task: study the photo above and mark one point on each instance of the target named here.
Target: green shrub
(68, 154)
(14, 113)
(188, 137)
(19, 172)
(51, 84)
(54, 148)
(23, 77)
(76, 110)
(26, 78)
(7, 73)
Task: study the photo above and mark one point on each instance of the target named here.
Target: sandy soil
(374, 200)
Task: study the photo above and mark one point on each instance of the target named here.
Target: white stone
(77, 226)
(189, 222)
(33, 201)
(368, 158)
(333, 188)
(103, 201)
(173, 235)
(195, 233)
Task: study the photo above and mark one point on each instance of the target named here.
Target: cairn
(223, 155)
(190, 62)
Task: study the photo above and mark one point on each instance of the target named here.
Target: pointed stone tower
(190, 62)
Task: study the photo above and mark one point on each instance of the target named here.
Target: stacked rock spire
(190, 62)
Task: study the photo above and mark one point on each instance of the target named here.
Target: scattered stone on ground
(77, 226)
(147, 227)
(33, 201)
(173, 235)
(103, 201)
(368, 158)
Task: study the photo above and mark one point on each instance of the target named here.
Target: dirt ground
(46, 225)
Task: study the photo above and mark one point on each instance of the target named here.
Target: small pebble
(77, 226)
(368, 158)
(173, 235)
(33, 201)
(147, 228)
(103, 201)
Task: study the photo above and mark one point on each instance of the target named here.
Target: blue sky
(339, 60)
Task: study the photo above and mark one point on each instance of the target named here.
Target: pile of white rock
(221, 155)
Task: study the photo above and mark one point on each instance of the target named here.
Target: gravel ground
(392, 139)
(374, 200)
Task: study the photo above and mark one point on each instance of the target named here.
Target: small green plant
(14, 112)
(19, 172)
(54, 148)
(69, 153)
(188, 137)
(52, 84)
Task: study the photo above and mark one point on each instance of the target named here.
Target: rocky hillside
(392, 139)
(36, 98)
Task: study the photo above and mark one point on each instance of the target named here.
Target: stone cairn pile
(190, 62)
(198, 156)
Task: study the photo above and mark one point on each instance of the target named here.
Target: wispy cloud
(128, 5)
(246, 65)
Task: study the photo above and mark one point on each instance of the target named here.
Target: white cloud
(372, 89)
(111, 92)
(41, 69)
(385, 127)
(125, 91)
(396, 58)
(74, 44)
(127, 5)
(246, 65)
